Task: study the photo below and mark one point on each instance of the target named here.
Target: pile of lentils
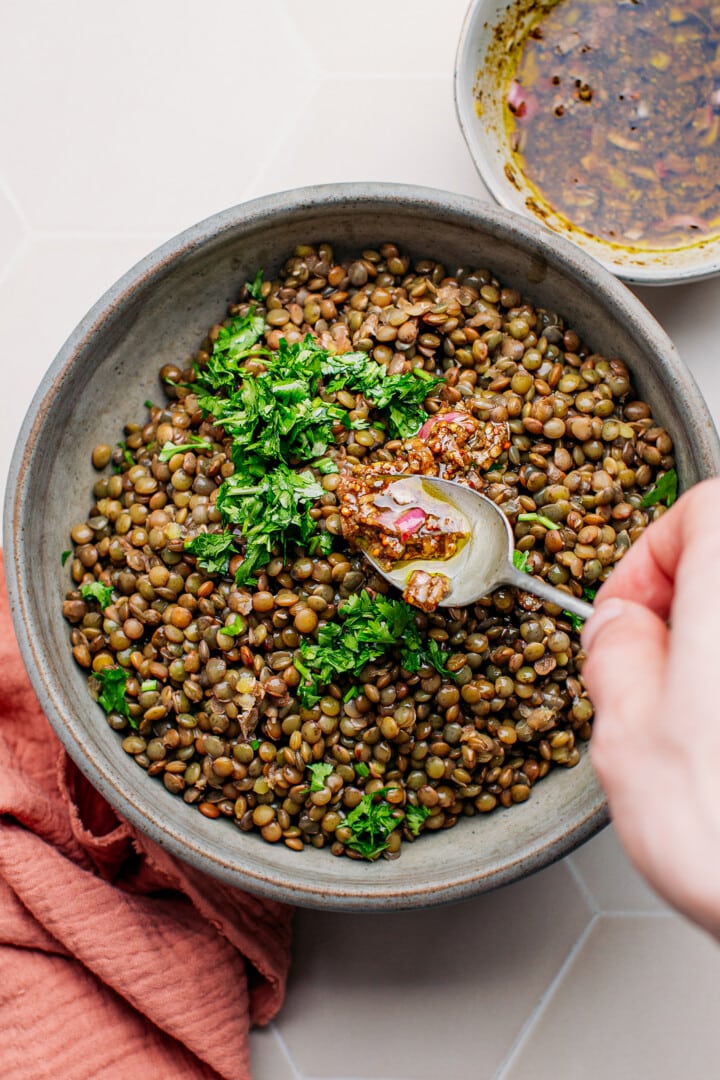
(583, 452)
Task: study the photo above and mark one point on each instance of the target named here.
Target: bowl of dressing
(601, 119)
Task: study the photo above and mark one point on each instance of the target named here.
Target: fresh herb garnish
(278, 419)
(437, 658)
(148, 404)
(371, 823)
(212, 551)
(402, 395)
(231, 347)
(237, 626)
(95, 590)
(148, 686)
(369, 626)
(255, 743)
(319, 772)
(270, 509)
(665, 490)
(65, 556)
(415, 816)
(113, 681)
(254, 287)
(576, 621)
(127, 454)
(169, 450)
(361, 769)
(548, 524)
(520, 561)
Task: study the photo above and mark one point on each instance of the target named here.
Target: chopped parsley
(113, 681)
(148, 686)
(169, 450)
(270, 508)
(545, 521)
(65, 556)
(127, 454)
(95, 590)
(255, 744)
(279, 419)
(665, 490)
(520, 561)
(212, 551)
(237, 626)
(369, 627)
(415, 816)
(319, 772)
(254, 287)
(361, 769)
(371, 823)
(575, 621)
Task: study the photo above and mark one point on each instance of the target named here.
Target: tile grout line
(14, 202)
(536, 1014)
(284, 1050)
(582, 885)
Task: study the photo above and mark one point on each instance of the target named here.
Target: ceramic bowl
(159, 313)
(491, 32)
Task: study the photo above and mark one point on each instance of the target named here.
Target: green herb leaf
(254, 287)
(270, 509)
(371, 823)
(520, 561)
(665, 490)
(169, 450)
(148, 686)
(319, 772)
(361, 769)
(237, 626)
(367, 628)
(212, 551)
(113, 681)
(576, 621)
(415, 816)
(95, 590)
(149, 404)
(545, 521)
(437, 658)
(65, 556)
(255, 744)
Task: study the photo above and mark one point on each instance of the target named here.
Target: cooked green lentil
(206, 680)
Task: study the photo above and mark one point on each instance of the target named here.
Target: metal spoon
(485, 561)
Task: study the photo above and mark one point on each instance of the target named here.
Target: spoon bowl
(484, 561)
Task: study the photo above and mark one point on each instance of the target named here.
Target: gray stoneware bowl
(485, 55)
(158, 313)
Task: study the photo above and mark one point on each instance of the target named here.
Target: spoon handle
(540, 588)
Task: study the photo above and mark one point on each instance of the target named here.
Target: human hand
(656, 738)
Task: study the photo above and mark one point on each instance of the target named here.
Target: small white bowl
(491, 31)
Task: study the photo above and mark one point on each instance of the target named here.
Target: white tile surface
(119, 126)
(639, 1002)
(612, 883)
(475, 966)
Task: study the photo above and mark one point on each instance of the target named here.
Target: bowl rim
(558, 252)
(642, 274)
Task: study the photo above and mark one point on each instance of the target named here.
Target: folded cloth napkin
(116, 961)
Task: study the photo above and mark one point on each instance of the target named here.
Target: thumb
(626, 645)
